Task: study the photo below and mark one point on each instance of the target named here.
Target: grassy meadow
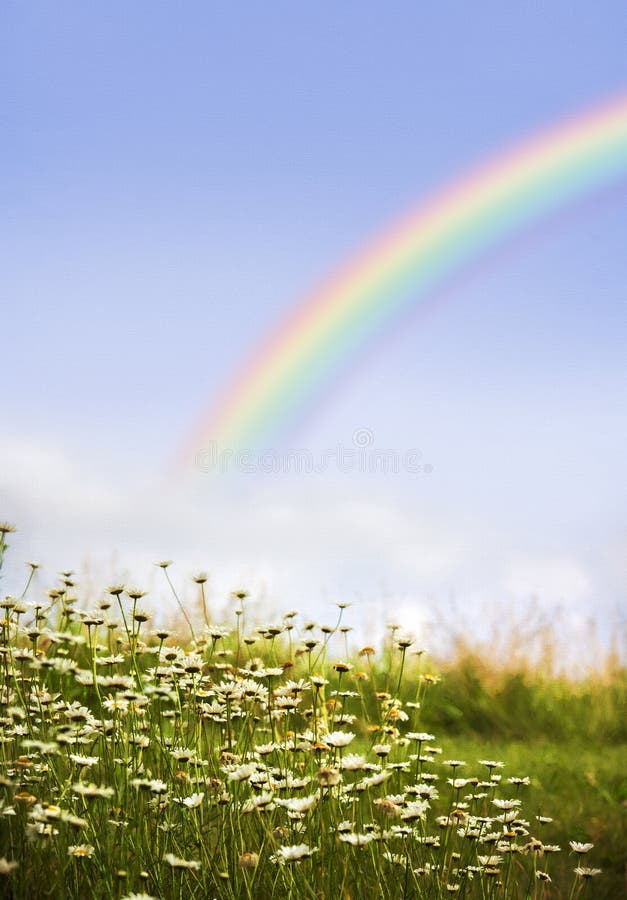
(237, 760)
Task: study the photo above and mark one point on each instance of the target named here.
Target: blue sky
(175, 178)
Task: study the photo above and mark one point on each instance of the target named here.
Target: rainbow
(328, 328)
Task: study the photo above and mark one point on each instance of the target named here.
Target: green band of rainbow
(400, 269)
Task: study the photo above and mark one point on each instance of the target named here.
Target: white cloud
(552, 578)
(35, 474)
(301, 545)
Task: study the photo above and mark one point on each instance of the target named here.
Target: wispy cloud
(298, 543)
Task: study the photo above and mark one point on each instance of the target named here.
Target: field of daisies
(235, 760)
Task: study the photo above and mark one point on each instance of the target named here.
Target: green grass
(135, 763)
(583, 787)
